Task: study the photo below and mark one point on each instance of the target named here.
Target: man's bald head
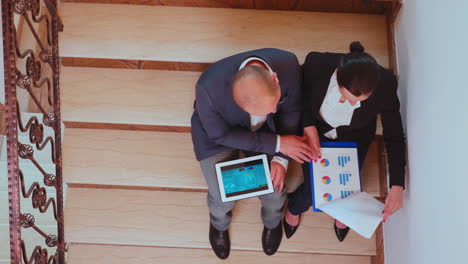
(256, 90)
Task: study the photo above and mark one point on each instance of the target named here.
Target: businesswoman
(343, 93)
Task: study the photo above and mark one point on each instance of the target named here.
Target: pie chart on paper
(327, 197)
(326, 180)
(325, 163)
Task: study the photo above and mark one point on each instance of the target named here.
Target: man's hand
(296, 148)
(277, 175)
(394, 201)
(313, 140)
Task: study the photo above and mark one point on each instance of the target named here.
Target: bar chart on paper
(343, 160)
(345, 194)
(344, 178)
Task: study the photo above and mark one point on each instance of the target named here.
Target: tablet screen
(244, 178)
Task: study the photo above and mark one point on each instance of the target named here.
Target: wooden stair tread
(143, 97)
(130, 158)
(97, 254)
(335, 6)
(180, 219)
(141, 159)
(186, 34)
(129, 97)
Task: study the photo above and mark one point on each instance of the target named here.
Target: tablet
(244, 178)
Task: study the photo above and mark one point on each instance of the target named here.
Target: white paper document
(361, 212)
(335, 176)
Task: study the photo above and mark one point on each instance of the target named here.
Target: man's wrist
(282, 161)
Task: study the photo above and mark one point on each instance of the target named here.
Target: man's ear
(275, 78)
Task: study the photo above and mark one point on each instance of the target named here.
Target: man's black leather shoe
(220, 242)
(341, 233)
(271, 239)
(289, 230)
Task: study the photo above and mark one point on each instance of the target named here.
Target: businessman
(249, 102)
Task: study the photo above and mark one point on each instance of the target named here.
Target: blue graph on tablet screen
(244, 178)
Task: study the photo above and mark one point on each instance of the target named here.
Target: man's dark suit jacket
(219, 124)
(317, 71)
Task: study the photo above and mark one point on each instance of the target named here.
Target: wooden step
(97, 254)
(186, 34)
(180, 219)
(336, 6)
(130, 158)
(138, 160)
(143, 97)
(100, 97)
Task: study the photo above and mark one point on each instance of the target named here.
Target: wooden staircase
(136, 193)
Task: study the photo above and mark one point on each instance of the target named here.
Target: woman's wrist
(397, 188)
(310, 130)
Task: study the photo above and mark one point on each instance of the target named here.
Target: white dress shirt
(335, 113)
(256, 122)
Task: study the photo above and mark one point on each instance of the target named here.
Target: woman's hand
(277, 176)
(394, 201)
(296, 148)
(313, 140)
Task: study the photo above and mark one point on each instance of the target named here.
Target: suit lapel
(271, 123)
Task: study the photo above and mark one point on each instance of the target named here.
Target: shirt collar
(245, 62)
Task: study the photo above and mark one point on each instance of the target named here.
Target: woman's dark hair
(358, 71)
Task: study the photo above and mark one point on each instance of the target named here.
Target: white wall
(432, 49)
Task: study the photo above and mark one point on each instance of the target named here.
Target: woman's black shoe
(289, 230)
(341, 233)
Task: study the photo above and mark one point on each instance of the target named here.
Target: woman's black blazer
(317, 71)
